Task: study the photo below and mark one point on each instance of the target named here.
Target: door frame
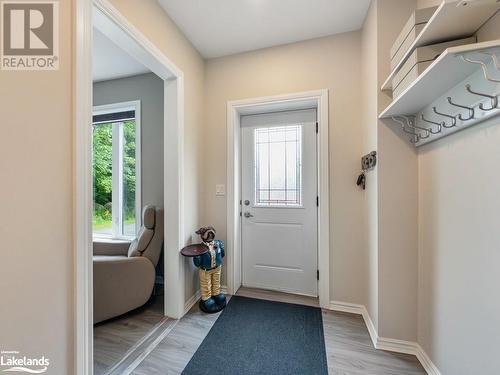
(128, 37)
(235, 109)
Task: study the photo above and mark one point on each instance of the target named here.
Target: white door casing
(102, 14)
(279, 201)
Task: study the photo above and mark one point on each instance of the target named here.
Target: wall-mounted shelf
(444, 73)
(452, 20)
(461, 88)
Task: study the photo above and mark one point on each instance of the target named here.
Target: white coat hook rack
(459, 89)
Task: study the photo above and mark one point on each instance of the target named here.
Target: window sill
(101, 238)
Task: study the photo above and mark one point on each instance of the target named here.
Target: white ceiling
(224, 27)
(111, 62)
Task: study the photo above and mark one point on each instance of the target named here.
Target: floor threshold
(143, 348)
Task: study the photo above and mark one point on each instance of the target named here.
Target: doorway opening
(294, 207)
(122, 210)
(128, 207)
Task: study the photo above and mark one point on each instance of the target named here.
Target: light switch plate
(220, 190)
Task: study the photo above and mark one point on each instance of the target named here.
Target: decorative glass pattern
(278, 166)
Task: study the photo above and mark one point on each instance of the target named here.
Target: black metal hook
(438, 124)
(416, 137)
(471, 110)
(493, 98)
(452, 118)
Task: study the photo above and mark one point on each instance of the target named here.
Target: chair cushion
(121, 284)
(148, 216)
(110, 247)
(140, 244)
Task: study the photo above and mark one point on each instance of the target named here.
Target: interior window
(115, 178)
(278, 166)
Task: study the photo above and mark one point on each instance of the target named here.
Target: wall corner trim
(384, 343)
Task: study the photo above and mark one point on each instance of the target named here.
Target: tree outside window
(115, 177)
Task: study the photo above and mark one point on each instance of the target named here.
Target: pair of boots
(213, 304)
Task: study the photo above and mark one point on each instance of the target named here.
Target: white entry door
(279, 202)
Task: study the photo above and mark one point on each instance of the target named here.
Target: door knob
(247, 214)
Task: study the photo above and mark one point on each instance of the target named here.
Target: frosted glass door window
(278, 166)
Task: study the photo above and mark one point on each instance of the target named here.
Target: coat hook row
(408, 123)
(467, 114)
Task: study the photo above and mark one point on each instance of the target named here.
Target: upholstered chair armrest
(121, 284)
(111, 247)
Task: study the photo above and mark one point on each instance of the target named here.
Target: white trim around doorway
(109, 21)
(235, 109)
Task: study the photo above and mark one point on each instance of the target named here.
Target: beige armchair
(124, 271)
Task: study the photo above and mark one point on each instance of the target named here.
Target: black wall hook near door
(369, 161)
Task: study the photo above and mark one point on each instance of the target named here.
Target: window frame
(117, 159)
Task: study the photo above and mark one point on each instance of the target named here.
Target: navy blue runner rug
(253, 336)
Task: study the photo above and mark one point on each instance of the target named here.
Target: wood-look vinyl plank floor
(174, 352)
(350, 350)
(115, 337)
(348, 345)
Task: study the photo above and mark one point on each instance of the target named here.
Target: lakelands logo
(30, 35)
(12, 361)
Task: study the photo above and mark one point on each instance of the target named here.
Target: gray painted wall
(148, 88)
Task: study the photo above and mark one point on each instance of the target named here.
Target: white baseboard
(398, 346)
(426, 362)
(347, 307)
(372, 330)
(384, 343)
(191, 301)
